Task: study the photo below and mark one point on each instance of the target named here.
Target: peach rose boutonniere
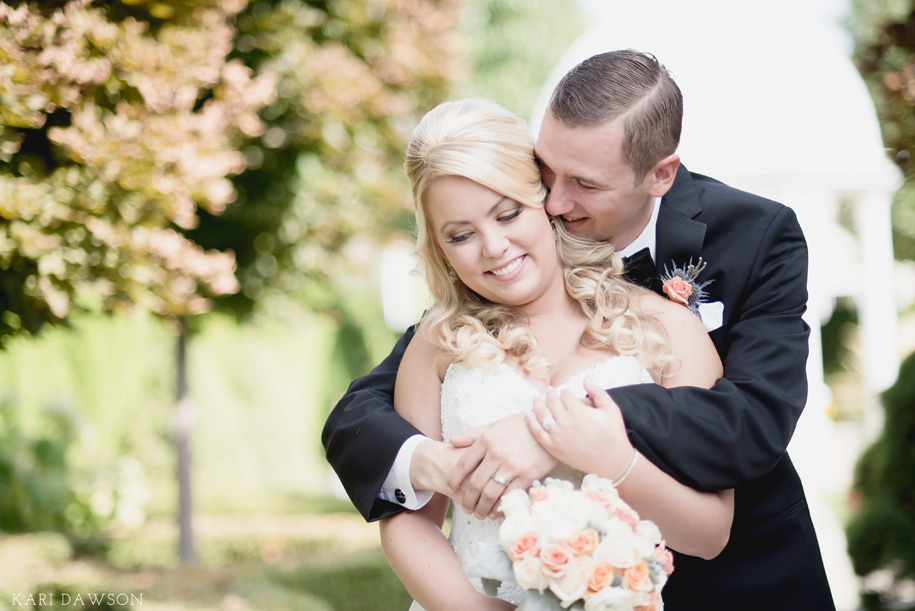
(680, 284)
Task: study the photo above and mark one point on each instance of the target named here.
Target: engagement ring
(500, 480)
(548, 422)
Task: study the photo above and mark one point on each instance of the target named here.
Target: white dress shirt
(648, 238)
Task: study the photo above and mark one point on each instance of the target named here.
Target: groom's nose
(557, 201)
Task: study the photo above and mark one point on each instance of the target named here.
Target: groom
(610, 133)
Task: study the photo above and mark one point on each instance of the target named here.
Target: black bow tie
(640, 269)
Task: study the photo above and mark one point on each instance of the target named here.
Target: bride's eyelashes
(505, 218)
(511, 215)
(458, 238)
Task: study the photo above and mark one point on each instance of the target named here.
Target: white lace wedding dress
(473, 397)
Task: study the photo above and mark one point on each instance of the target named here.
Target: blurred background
(205, 235)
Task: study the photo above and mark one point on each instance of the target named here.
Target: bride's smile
(506, 271)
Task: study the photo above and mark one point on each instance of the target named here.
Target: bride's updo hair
(484, 142)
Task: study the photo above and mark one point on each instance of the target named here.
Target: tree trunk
(184, 416)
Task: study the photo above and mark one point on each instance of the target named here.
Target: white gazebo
(773, 105)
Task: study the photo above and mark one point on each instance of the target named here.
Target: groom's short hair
(630, 85)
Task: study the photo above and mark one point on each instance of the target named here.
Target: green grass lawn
(319, 562)
(268, 532)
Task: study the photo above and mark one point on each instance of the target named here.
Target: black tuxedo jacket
(731, 436)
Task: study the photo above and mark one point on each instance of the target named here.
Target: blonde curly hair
(482, 141)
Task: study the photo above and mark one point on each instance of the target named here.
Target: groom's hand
(505, 448)
(432, 463)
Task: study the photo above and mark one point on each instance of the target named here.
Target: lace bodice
(473, 397)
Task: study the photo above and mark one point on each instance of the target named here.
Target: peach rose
(638, 577)
(539, 493)
(654, 603)
(584, 541)
(556, 559)
(602, 574)
(627, 516)
(665, 557)
(678, 289)
(528, 544)
(601, 497)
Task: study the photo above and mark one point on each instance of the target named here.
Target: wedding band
(500, 480)
(548, 422)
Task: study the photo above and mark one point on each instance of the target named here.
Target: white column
(876, 295)
(403, 292)
(815, 448)
(815, 209)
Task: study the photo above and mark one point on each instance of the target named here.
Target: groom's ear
(661, 176)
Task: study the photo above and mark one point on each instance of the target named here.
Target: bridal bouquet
(583, 549)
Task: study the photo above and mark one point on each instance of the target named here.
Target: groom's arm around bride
(733, 435)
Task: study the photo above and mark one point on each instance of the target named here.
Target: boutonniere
(680, 284)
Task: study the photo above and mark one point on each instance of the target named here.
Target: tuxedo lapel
(679, 235)
(640, 269)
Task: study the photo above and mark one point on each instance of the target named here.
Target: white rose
(574, 582)
(649, 531)
(593, 482)
(619, 550)
(617, 529)
(513, 527)
(529, 574)
(610, 599)
(554, 484)
(584, 509)
(560, 528)
(516, 502)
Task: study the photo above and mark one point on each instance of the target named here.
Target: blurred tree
(885, 55)
(323, 184)
(881, 533)
(122, 122)
(514, 47)
(39, 489)
(118, 122)
(326, 173)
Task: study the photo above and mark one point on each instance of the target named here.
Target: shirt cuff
(397, 487)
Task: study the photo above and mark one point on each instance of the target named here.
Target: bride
(527, 316)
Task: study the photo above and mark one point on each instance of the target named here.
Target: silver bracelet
(635, 457)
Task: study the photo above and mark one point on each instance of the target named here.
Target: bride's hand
(590, 439)
(504, 448)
